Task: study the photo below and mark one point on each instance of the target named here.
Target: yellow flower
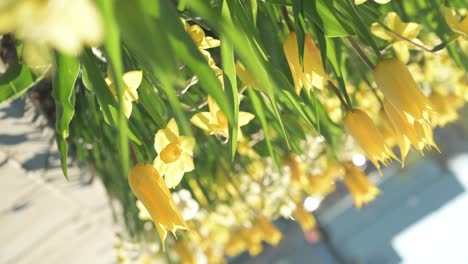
(399, 88)
(358, 2)
(247, 79)
(198, 36)
(245, 148)
(184, 253)
(313, 74)
(297, 168)
(215, 122)
(270, 233)
(445, 107)
(235, 245)
(305, 219)
(150, 189)
(417, 133)
(362, 190)
(175, 154)
(132, 81)
(408, 30)
(459, 27)
(321, 184)
(253, 238)
(64, 25)
(365, 133)
(388, 132)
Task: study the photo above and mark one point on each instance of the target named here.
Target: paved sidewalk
(44, 218)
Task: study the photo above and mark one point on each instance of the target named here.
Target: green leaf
(114, 57)
(299, 27)
(16, 87)
(66, 73)
(230, 84)
(258, 107)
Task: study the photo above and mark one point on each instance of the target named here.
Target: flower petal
(132, 80)
(245, 118)
(186, 162)
(380, 32)
(127, 108)
(172, 127)
(186, 144)
(173, 174)
(402, 51)
(160, 166)
(202, 120)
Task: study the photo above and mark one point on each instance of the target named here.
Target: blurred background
(420, 216)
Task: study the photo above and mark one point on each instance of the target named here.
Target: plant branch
(338, 94)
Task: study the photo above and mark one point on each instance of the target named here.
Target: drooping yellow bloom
(305, 219)
(403, 130)
(367, 135)
(321, 184)
(64, 25)
(408, 30)
(387, 129)
(184, 253)
(198, 36)
(150, 189)
(297, 168)
(417, 133)
(174, 154)
(445, 107)
(458, 26)
(215, 122)
(235, 245)
(312, 74)
(132, 81)
(247, 79)
(362, 190)
(270, 233)
(253, 238)
(358, 2)
(399, 88)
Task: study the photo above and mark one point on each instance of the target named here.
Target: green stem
(338, 94)
(361, 53)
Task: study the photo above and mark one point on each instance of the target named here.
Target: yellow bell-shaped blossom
(270, 233)
(458, 26)
(214, 256)
(321, 184)
(198, 36)
(184, 253)
(399, 88)
(297, 168)
(407, 30)
(215, 122)
(132, 81)
(403, 130)
(367, 135)
(358, 2)
(312, 74)
(388, 132)
(417, 133)
(253, 238)
(150, 189)
(362, 190)
(174, 154)
(305, 219)
(445, 107)
(236, 245)
(247, 79)
(64, 25)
